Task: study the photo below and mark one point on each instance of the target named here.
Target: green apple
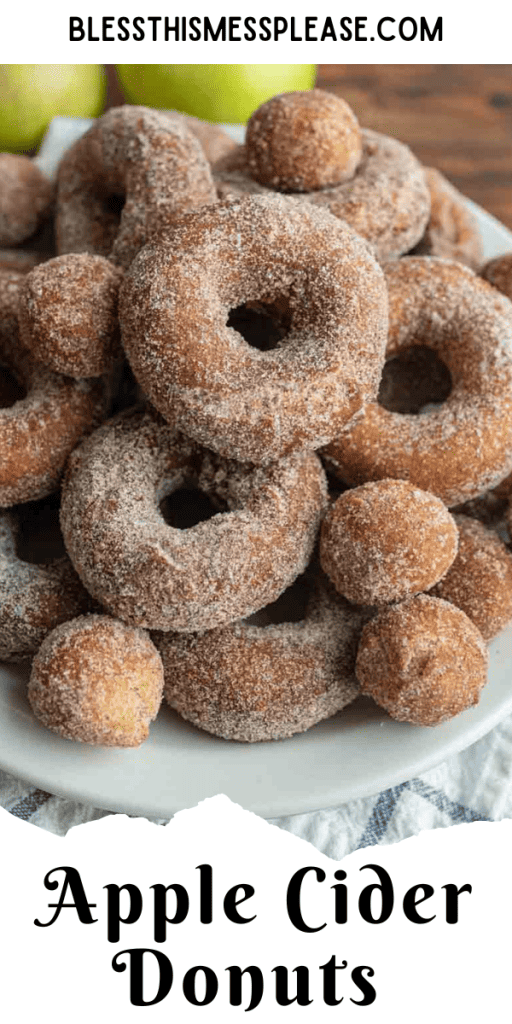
(213, 92)
(31, 94)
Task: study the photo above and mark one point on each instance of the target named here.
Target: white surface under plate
(357, 753)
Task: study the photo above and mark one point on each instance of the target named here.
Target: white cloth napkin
(475, 785)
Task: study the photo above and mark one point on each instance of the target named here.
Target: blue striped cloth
(475, 785)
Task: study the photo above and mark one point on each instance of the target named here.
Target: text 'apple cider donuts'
(462, 447)
(154, 575)
(200, 373)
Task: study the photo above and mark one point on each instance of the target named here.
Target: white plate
(359, 752)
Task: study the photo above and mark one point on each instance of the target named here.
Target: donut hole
(290, 606)
(114, 205)
(263, 325)
(39, 539)
(11, 391)
(413, 379)
(187, 506)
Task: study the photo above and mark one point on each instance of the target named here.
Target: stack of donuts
(270, 401)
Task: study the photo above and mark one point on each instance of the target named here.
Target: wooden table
(454, 117)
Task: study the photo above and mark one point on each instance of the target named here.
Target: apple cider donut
(95, 680)
(499, 273)
(215, 142)
(248, 404)
(386, 541)
(252, 683)
(25, 198)
(463, 447)
(480, 579)
(34, 598)
(131, 154)
(50, 414)
(68, 314)
(452, 231)
(151, 574)
(386, 201)
(422, 660)
(303, 141)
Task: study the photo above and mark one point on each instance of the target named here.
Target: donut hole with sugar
(11, 389)
(414, 379)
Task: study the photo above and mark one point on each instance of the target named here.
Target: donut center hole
(263, 325)
(290, 606)
(39, 539)
(114, 205)
(11, 391)
(188, 506)
(412, 380)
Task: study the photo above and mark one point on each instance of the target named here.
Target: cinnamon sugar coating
(463, 447)
(51, 415)
(386, 201)
(33, 598)
(252, 683)
(68, 314)
(303, 141)
(422, 660)
(386, 541)
(154, 575)
(25, 198)
(499, 273)
(248, 404)
(133, 154)
(452, 231)
(95, 680)
(480, 579)
(215, 142)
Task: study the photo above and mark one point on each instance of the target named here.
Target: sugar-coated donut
(247, 404)
(422, 660)
(51, 415)
(463, 447)
(480, 579)
(215, 142)
(96, 680)
(303, 141)
(452, 231)
(34, 598)
(68, 314)
(386, 541)
(154, 575)
(25, 198)
(499, 273)
(133, 154)
(387, 201)
(251, 683)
